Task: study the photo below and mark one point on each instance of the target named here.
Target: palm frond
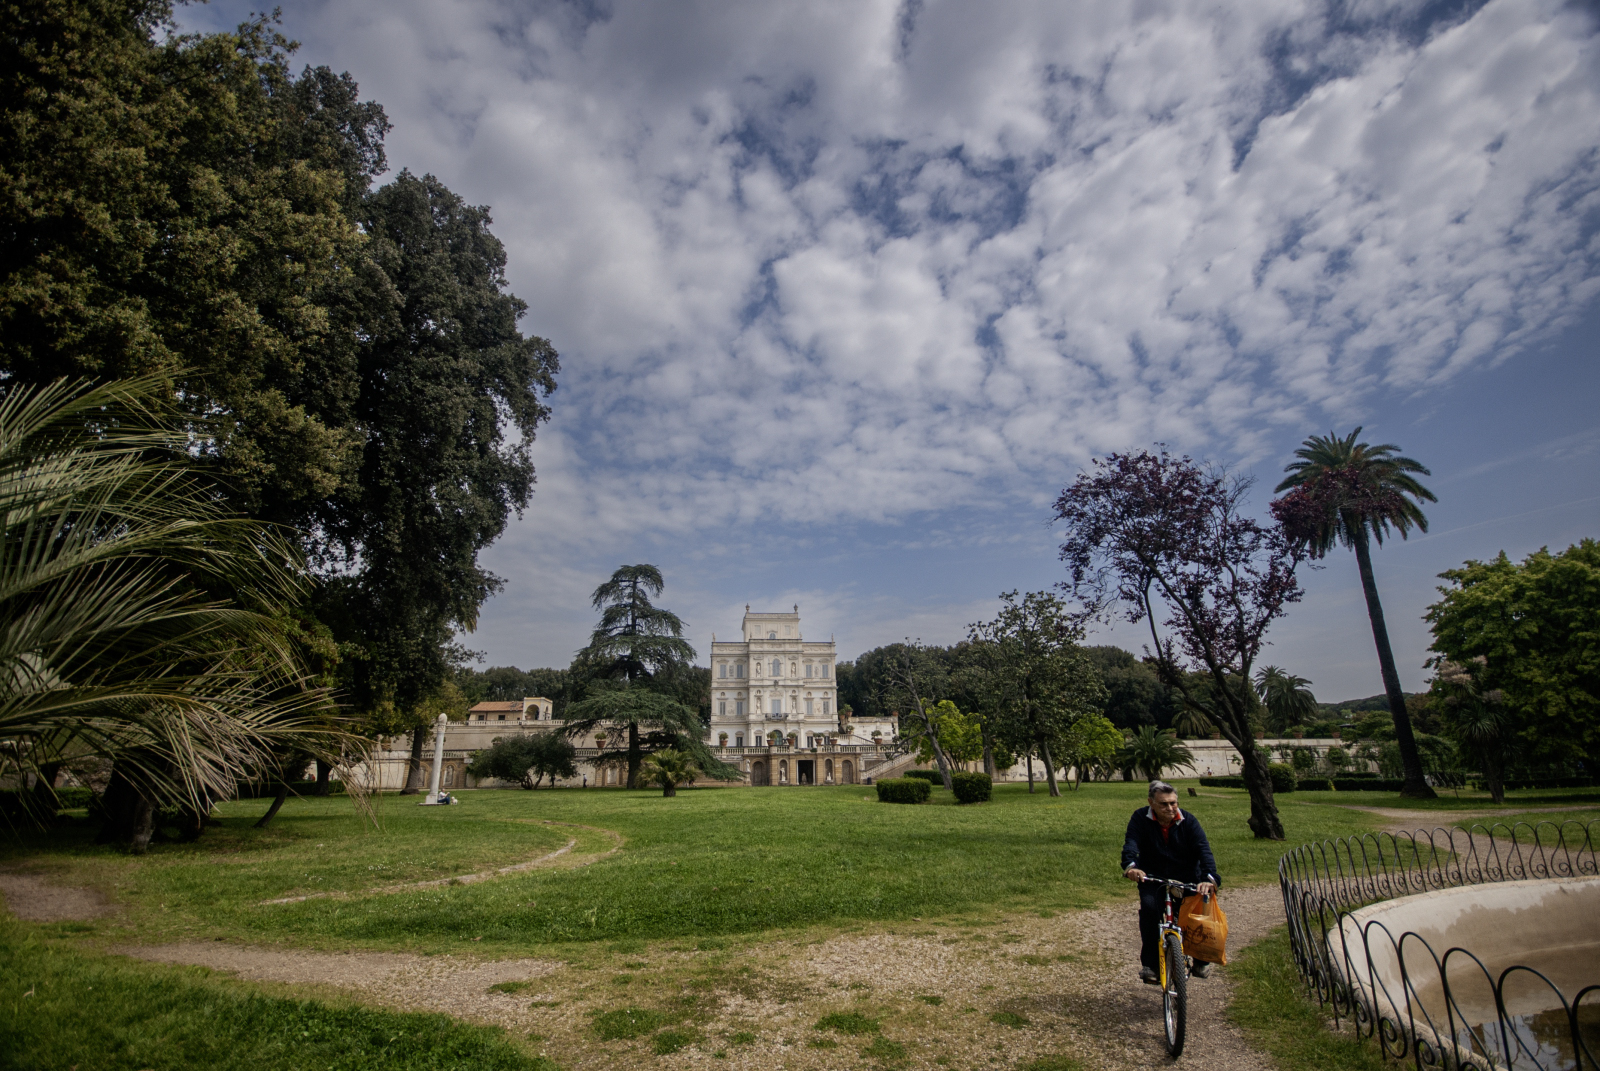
(136, 615)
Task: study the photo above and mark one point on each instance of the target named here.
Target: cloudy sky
(845, 292)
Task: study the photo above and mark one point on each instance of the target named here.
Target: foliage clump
(1283, 778)
(904, 790)
(526, 759)
(971, 787)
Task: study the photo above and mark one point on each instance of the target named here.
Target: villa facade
(775, 708)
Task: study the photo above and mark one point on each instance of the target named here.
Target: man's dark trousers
(1152, 905)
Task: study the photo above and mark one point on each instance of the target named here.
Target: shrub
(1368, 784)
(1282, 774)
(931, 776)
(1222, 782)
(971, 787)
(1314, 784)
(1361, 773)
(904, 790)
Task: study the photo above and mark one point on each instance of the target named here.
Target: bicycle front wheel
(1175, 997)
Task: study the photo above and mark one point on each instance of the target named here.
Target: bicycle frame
(1174, 991)
(1169, 920)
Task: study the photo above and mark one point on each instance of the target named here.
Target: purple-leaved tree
(1156, 535)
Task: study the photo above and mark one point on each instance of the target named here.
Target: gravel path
(1063, 985)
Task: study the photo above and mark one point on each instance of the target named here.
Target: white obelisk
(438, 761)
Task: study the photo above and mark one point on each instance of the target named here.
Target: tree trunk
(988, 748)
(1264, 821)
(1494, 772)
(277, 804)
(1030, 771)
(323, 787)
(939, 757)
(1049, 766)
(669, 789)
(1415, 787)
(414, 763)
(635, 755)
(45, 800)
(129, 817)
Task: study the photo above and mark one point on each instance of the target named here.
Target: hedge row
(1315, 784)
(931, 776)
(904, 790)
(1368, 784)
(66, 799)
(1222, 782)
(1542, 782)
(971, 787)
(296, 788)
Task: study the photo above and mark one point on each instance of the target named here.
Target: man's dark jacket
(1183, 854)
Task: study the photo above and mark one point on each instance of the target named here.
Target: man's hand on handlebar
(1208, 889)
(1133, 873)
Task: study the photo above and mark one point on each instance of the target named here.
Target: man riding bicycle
(1163, 842)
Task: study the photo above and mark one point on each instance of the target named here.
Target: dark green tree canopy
(1529, 632)
(635, 639)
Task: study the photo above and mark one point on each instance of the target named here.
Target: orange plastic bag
(1205, 929)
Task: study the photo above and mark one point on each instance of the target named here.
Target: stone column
(438, 760)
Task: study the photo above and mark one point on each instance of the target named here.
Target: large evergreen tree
(1345, 491)
(639, 678)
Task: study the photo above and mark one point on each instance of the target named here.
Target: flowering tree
(1168, 543)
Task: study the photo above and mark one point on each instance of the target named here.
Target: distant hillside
(1358, 706)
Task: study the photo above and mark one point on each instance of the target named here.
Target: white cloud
(825, 263)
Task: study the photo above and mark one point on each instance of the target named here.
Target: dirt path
(31, 896)
(1401, 820)
(547, 860)
(973, 991)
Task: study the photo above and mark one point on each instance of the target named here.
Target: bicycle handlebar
(1185, 886)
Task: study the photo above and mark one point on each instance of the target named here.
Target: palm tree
(1150, 751)
(1288, 698)
(1350, 492)
(668, 768)
(140, 624)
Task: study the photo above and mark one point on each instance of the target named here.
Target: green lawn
(712, 861)
(721, 867)
(708, 862)
(61, 1009)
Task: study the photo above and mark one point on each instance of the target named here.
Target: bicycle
(1173, 968)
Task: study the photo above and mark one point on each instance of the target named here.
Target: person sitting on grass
(1163, 842)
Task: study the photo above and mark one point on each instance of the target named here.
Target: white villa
(775, 708)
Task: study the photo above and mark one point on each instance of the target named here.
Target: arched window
(847, 773)
(777, 668)
(772, 635)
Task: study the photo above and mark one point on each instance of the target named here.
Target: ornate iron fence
(1445, 1011)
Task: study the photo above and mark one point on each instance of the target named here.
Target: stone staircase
(895, 766)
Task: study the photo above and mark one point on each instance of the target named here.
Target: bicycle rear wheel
(1175, 997)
